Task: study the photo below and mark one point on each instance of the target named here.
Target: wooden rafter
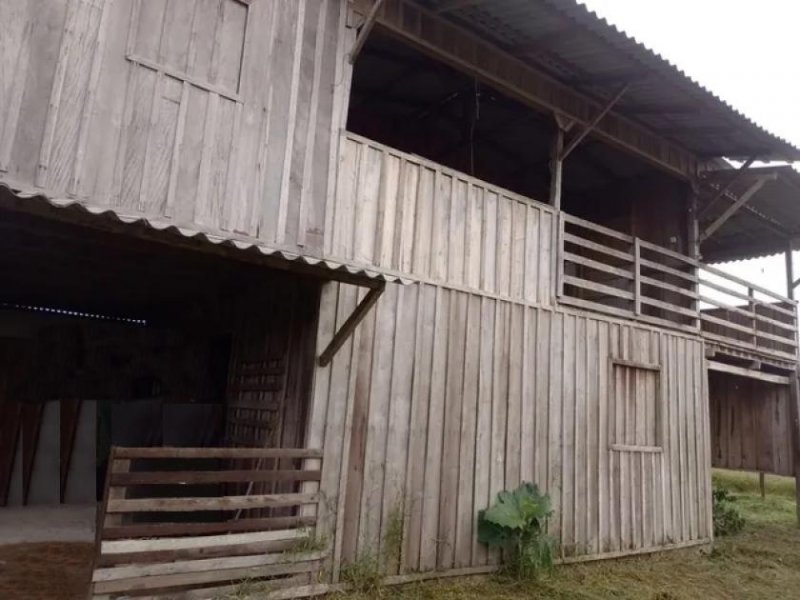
(573, 143)
(725, 188)
(349, 326)
(733, 208)
(365, 30)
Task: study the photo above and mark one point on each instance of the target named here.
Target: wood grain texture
(501, 392)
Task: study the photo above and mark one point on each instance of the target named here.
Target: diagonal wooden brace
(349, 326)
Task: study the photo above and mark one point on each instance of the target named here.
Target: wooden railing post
(637, 277)
(751, 293)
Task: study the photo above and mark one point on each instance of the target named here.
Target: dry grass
(762, 562)
(45, 571)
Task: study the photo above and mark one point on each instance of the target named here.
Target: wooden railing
(171, 521)
(615, 273)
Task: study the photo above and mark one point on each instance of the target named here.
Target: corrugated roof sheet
(582, 49)
(108, 214)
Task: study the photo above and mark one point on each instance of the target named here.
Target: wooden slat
(202, 565)
(199, 542)
(579, 241)
(636, 364)
(151, 530)
(669, 307)
(691, 277)
(164, 452)
(635, 448)
(205, 504)
(607, 231)
(159, 582)
(714, 365)
(688, 292)
(596, 265)
(200, 477)
(597, 287)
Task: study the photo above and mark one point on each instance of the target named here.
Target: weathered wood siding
(443, 397)
(220, 114)
(409, 215)
(750, 424)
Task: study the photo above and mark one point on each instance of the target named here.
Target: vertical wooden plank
(514, 396)
(440, 244)
(624, 428)
(591, 500)
(366, 205)
(451, 442)
(407, 215)
(499, 401)
(504, 241)
(555, 406)
(474, 243)
(457, 232)
(547, 224)
(603, 454)
(390, 196)
(467, 481)
(489, 269)
(379, 411)
(532, 251)
(614, 481)
(483, 436)
(691, 437)
(529, 375)
(420, 407)
(573, 330)
(424, 223)
(518, 250)
(682, 437)
(395, 509)
(543, 374)
(433, 460)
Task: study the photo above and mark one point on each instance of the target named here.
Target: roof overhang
(105, 218)
(765, 225)
(568, 42)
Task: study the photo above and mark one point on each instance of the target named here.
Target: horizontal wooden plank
(645, 245)
(635, 364)
(202, 565)
(742, 296)
(750, 285)
(162, 582)
(579, 241)
(201, 541)
(596, 306)
(787, 341)
(633, 448)
(148, 530)
(200, 477)
(195, 504)
(680, 310)
(597, 265)
(166, 452)
(693, 329)
(597, 287)
(592, 226)
(714, 365)
(690, 277)
(687, 292)
(707, 318)
(170, 555)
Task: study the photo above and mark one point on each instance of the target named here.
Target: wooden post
(761, 485)
(794, 393)
(693, 242)
(637, 277)
(556, 167)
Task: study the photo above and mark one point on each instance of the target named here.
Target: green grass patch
(762, 562)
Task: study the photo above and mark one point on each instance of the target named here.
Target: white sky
(745, 52)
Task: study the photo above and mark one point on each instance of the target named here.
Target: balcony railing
(614, 273)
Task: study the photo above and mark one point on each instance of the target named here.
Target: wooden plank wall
(219, 114)
(415, 217)
(443, 397)
(750, 424)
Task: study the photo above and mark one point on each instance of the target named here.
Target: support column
(794, 392)
(556, 168)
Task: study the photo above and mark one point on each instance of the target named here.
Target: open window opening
(412, 101)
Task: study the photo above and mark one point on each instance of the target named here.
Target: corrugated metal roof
(107, 214)
(585, 51)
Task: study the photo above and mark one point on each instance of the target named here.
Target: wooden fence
(615, 273)
(166, 528)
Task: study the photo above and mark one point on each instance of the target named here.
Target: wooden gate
(167, 525)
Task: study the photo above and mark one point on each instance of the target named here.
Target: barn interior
(118, 338)
(412, 101)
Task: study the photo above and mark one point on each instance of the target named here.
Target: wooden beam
(794, 407)
(451, 5)
(790, 281)
(733, 208)
(365, 30)
(573, 143)
(749, 373)
(340, 337)
(721, 192)
(556, 169)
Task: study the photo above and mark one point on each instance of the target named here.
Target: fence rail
(615, 273)
(176, 518)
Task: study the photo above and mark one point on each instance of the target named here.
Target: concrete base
(63, 523)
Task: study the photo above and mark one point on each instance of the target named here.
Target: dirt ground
(45, 571)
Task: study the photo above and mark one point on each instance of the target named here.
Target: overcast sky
(745, 52)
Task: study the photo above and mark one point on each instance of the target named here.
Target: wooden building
(402, 255)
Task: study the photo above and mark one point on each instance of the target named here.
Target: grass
(761, 562)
